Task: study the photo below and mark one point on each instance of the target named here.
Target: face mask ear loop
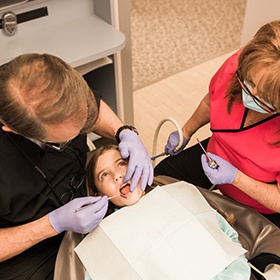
(249, 103)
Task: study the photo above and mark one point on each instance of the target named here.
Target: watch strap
(121, 128)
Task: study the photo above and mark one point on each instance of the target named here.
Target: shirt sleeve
(225, 72)
(239, 268)
(97, 96)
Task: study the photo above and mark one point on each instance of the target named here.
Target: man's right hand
(80, 215)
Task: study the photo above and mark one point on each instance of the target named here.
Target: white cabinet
(74, 31)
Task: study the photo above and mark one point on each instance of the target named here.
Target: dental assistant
(242, 106)
(46, 111)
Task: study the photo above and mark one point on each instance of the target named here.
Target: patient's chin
(134, 197)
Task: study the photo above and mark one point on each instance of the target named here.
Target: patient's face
(109, 173)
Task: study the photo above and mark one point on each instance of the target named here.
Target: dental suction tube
(180, 132)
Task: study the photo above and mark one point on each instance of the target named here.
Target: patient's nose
(118, 177)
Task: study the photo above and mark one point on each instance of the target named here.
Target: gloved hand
(139, 160)
(83, 221)
(224, 174)
(172, 143)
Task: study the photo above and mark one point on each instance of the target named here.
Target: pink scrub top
(247, 148)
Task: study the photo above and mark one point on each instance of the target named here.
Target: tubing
(181, 137)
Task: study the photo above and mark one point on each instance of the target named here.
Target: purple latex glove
(224, 174)
(139, 163)
(67, 218)
(172, 143)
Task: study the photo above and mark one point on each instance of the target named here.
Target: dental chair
(257, 235)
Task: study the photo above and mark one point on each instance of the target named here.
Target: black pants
(186, 166)
(274, 218)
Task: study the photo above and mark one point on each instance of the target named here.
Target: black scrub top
(25, 196)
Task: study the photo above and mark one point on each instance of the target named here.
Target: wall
(258, 12)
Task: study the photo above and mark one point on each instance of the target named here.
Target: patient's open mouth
(125, 189)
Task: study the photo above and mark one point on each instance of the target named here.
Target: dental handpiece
(211, 162)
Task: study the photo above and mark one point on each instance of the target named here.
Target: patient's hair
(42, 89)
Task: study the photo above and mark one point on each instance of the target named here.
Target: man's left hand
(139, 160)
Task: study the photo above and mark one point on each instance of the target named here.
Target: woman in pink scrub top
(242, 107)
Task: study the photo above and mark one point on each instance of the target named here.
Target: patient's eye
(104, 175)
(122, 163)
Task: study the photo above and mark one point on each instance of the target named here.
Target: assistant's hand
(83, 221)
(224, 174)
(172, 143)
(139, 160)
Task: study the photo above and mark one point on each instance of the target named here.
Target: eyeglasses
(264, 105)
(75, 182)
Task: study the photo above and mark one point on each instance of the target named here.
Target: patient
(105, 173)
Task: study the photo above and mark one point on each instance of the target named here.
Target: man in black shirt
(46, 111)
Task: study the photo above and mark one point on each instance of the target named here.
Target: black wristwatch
(130, 127)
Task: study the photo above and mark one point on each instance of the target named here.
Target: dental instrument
(157, 156)
(211, 162)
(109, 198)
(113, 196)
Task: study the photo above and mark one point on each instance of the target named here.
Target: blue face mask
(249, 103)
